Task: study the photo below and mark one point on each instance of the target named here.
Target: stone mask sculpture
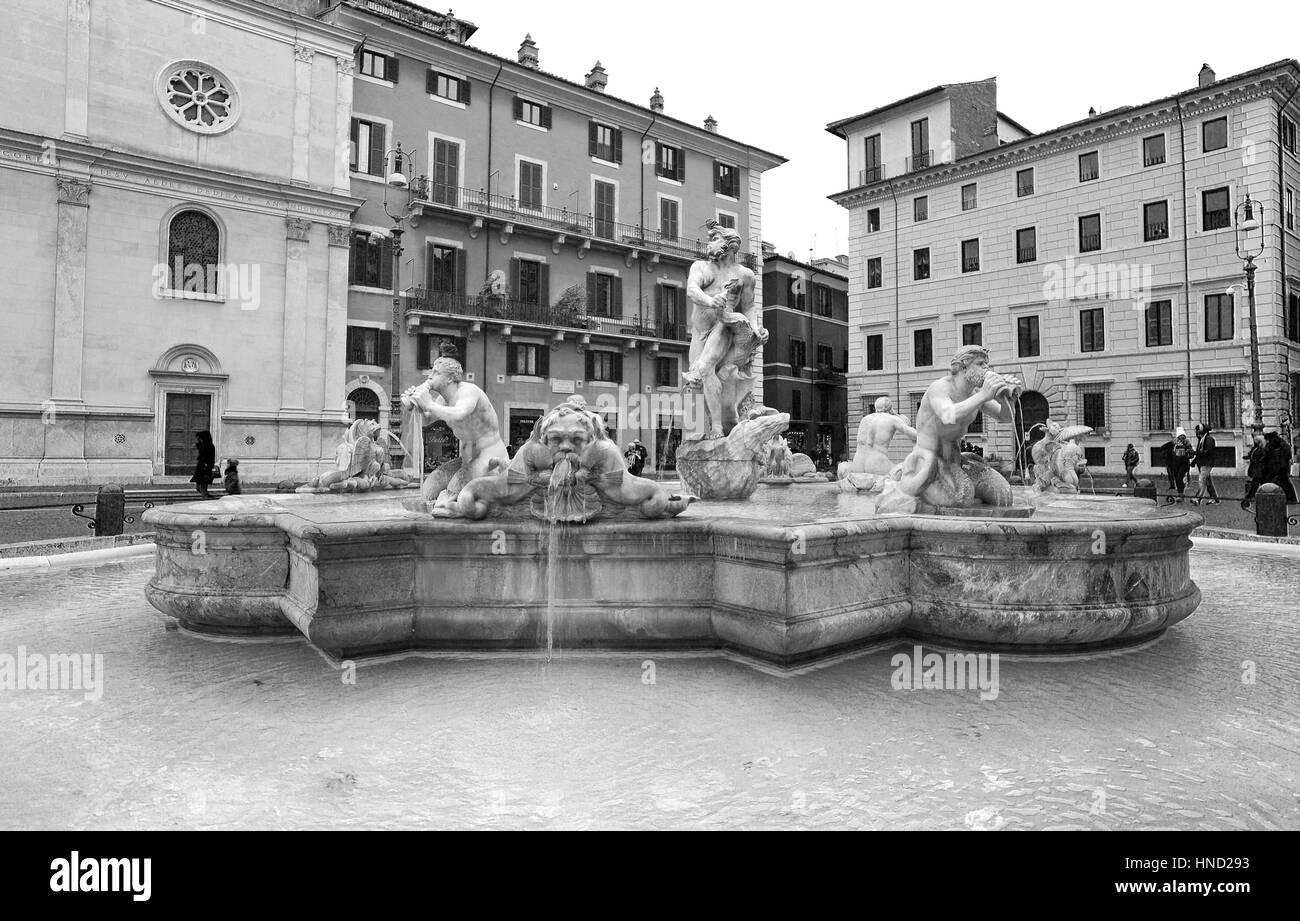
(571, 471)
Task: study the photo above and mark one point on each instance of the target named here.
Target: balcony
(1027, 254)
(826, 376)
(1089, 242)
(502, 310)
(511, 210)
(871, 174)
(1157, 230)
(921, 159)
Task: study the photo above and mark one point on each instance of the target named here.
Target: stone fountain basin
(787, 580)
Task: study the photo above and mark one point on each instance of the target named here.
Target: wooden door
(187, 415)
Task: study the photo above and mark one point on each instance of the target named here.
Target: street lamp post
(1249, 227)
(398, 212)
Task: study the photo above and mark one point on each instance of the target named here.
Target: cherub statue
(363, 463)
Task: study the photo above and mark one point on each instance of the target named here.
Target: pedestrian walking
(635, 455)
(1130, 460)
(1254, 468)
(1204, 467)
(205, 466)
(1182, 455)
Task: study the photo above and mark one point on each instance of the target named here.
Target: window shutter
(431, 81)
(391, 72)
(352, 152)
(591, 295)
(386, 263)
(460, 272)
(544, 360)
(546, 116)
(681, 165)
(717, 176)
(659, 158)
(519, 109)
(428, 268)
(618, 145)
(544, 285)
(616, 298)
(591, 139)
(618, 367)
(385, 357)
(355, 255)
(590, 364)
(514, 279)
(352, 343)
(424, 359)
(464, 91)
(659, 306)
(377, 150)
(512, 358)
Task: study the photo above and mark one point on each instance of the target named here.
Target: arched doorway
(365, 404)
(1031, 410)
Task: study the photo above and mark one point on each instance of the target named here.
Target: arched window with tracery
(365, 404)
(193, 253)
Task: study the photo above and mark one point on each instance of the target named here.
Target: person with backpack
(1204, 466)
(1130, 460)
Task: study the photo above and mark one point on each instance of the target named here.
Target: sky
(774, 75)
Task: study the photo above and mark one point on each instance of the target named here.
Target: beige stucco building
(174, 215)
(1095, 260)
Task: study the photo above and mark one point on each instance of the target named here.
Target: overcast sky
(774, 75)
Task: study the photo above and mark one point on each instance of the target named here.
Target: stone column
(301, 114)
(293, 362)
(336, 319)
(76, 105)
(343, 124)
(64, 454)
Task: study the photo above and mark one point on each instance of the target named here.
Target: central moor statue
(936, 475)
(725, 335)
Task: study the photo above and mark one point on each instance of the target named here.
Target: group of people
(1269, 461)
(206, 468)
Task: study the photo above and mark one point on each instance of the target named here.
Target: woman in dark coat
(205, 466)
(1277, 464)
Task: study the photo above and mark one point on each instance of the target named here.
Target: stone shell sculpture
(361, 463)
(1058, 457)
(731, 467)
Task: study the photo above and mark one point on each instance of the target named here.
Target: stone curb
(80, 558)
(1234, 534)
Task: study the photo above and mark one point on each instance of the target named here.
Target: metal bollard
(1270, 511)
(1145, 489)
(110, 510)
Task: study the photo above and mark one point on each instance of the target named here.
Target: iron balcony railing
(970, 265)
(871, 174)
(1027, 254)
(921, 159)
(828, 376)
(1157, 230)
(429, 22)
(487, 307)
(1090, 242)
(564, 220)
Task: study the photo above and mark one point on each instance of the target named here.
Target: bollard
(1270, 511)
(1145, 489)
(110, 510)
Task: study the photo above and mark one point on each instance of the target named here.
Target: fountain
(564, 534)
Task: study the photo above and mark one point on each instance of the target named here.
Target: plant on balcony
(571, 304)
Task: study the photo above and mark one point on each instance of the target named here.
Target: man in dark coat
(1277, 464)
(205, 465)
(1205, 466)
(1130, 459)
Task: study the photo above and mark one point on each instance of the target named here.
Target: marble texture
(359, 575)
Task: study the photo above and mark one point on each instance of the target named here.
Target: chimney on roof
(449, 27)
(657, 101)
(597, 79)
(528, 52)
(1092, 111)
(711, 124)
(1205, 77)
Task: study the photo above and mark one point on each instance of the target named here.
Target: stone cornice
(108, 166)
(271, 22)
(1108, 126)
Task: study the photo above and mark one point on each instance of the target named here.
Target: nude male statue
(875, 432)
(466, 409)
(724, 328)
(933, 473)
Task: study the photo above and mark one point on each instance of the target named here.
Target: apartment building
(546, 234)
(806, 312)
(1096, 261)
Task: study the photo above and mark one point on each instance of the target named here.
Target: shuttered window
(605, 142)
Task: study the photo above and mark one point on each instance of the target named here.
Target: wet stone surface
(1200, 729)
